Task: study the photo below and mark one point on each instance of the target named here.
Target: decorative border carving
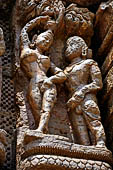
(44, 162)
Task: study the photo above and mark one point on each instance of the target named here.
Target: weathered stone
(108, 63)
(79, 21)
(68, 111)
(104, 28)
(107, 85)
(72, 164)
(83, 91)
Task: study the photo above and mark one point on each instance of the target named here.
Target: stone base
(50, 162)
(44, 151)
(36, 143)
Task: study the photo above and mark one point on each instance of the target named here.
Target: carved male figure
(83, 82)
(42, 90)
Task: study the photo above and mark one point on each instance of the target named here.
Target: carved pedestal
(41, 151)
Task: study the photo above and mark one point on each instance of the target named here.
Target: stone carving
(2, 50)
(71, 142)
(53, 32)
(2, 42)
(83, 82)
(60, 162)
(53, 8)
(52, 145)
(79, 21)
(42, 90)
(104, 20)
(2, 132)
(3, 143)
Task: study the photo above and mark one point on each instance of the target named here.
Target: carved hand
(46, 84)
(78, 96)
(71, 103)
(76, 99)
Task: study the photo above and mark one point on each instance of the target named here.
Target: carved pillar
(7, 110)
(59, 124)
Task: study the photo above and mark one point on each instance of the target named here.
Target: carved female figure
(42, 90)
(83, 82)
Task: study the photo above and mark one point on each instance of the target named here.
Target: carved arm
(96, 79)
(59, 76)
(60, 18)
(25, 42)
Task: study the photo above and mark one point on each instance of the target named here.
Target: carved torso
(35, 63)
(78, 75)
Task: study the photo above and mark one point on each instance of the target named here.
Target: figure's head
(44, 40)
(76, 47)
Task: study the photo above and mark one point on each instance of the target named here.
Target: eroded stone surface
(104, 28)
(79, 21)
(47, 162)
(42, 48)
(3, 143)
(82, 91)
(107, 85)
(107, 63)
(35, 142)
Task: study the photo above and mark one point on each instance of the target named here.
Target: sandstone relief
(42, 90)
(83, 82)
(56, 82)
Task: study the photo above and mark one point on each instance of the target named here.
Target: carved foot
(38, 131)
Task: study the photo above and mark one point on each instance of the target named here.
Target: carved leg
(79, 128)
(34, 97)
(98, 129)
(93, 120)
(49, 99)
(43, 124)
